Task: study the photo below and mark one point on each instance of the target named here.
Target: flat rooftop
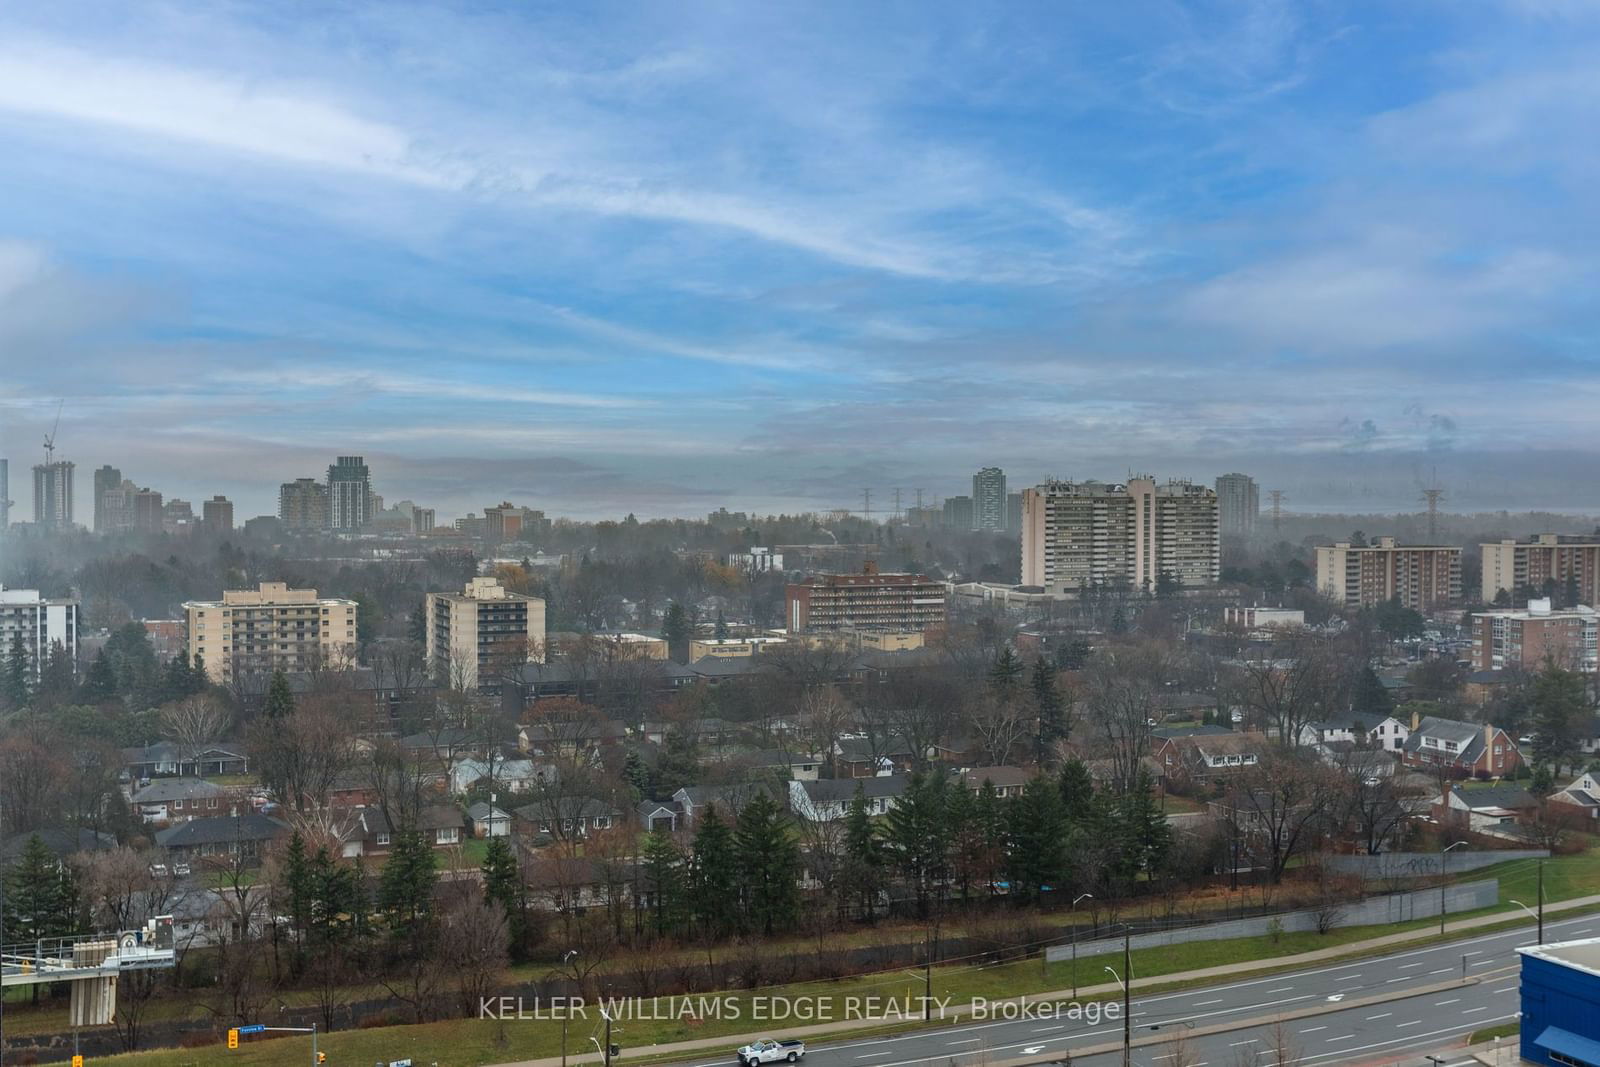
(1582, 955)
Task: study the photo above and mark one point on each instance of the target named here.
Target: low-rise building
(870, 600)
(167, 800)
(1529, 638)
(1463, 749)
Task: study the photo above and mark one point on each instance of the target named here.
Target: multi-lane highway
(1412, 1014)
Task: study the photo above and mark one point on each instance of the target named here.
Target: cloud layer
(667, 258)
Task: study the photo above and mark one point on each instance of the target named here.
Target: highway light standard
(1081, 896)
(1444, 883)
(1127, 1003)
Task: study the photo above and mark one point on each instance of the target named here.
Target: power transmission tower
(897, 504)
(1433, 495)
(919, 501)
(1277, 497)
(866, 504)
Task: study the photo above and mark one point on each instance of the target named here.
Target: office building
(5, 493)
(38, 624)
(1568, 567)
(482, 632)
(107, 479)
(829, 603)
(1081, 534)
(1238, 507)
(508, 522)
(270, 628)
(419, 520)
(958, 512)
(989, 499)
(148, 510)
(52, 494)
(349, 494)
(1421, 577)
(303, 504)
(177, 517)
(217, 513)
(1528, 638)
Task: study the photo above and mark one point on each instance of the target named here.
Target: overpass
(92, 963)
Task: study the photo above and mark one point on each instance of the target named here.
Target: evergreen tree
(58, 681)
(1560, 708)
(503, 886)
(1037, 838)
(721, 631)
(714, 873)
(1049, 707)
(636, 774)
(1077, 793)
(676, 630)
(1145, 830)
(280, 698)
(916, 835)
(41, 899)
(664, 881)
(335, 900)
(99, 683)
(1370, 694)
(769, 866)
(17, 684)
(1005, 673)
(863, 856)
(405, 885)
(297, 885)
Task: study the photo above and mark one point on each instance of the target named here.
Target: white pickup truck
(769, 1051)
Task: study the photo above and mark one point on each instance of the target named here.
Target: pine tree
(297, 884)
(1077, 792)
(714, 873)
(664, 881)
(58, 680)
(99, 683)
(503, 886)
(1560, 710)
(405, 885)
(40, 897)
(17, 684)
(1146, 830)
(1048, 705)
(1005, 673)
(721, 630)
(916, 833)
(676, 631)
(1037, 838)
(863, 855)
(769, 865)
(280, 698)
(1370, 694)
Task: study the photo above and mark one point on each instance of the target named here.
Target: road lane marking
(1503, 989)
(1442, 970)
(1413, 1022)
(1442, 1003)
(1474, 952)
(1281, 989)
(1405, 966)
(963, 1041)
(1047, 1029)
(1346, 1037)
(1469, 1011)
(1410, 1039)
(1385, 1015)
(1203, 1003)
(1313, 1029)
(1402, 978)
(1251, 1041)
(873, 1055)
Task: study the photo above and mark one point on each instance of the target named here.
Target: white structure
(756, 561)
(349, 494)
(38, 624)
(1263, 618)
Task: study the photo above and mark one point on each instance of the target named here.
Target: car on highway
(769, 1051)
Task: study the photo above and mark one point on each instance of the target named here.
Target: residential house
(369, 833)
(1582, 793)
(243, 836)
(1103, 772)
(167, 800)
(1460, 749)
(829, 799)
(865, 757)
(1367, 728)
(507, 775)
(61, 843)
(575, 884)
(1206, 758)
(568, 817)
(694, 801)
(787, 763)
(1488, 809)
(1007, 781)
(488, 821)
(656, 815)
(166, 759)
(577, 739)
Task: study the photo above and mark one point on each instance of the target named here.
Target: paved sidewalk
(1226, 970)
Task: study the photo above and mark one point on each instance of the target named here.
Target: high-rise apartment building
(1569, 638)
(1014, 512)
(508, 522)
(958, 512)
(481, 631)
(177, 516)
(1135, 535)
(217, 514)
(303, 504)
(5, 493)
(1238, 507)
(39, 625)
(1421, 577)
(349, 494)
(1569, 566)
(52, 494)
(107, 479)
(148, 510)
(270, 628)
(989, 499)
(829, 603)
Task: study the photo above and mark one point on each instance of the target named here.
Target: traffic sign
(399, 1063)
(77, 1061)
(233, 1038)
(253, 1028)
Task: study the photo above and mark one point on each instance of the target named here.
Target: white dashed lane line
(1385, 1015)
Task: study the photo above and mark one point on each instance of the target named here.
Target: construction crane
(50, 438)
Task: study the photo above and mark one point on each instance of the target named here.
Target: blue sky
(663, 258)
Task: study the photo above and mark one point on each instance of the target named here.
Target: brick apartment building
(1527, 638)
(1422, 577)
(1567, 561)
(829, 603)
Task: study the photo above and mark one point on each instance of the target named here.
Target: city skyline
(633, 261)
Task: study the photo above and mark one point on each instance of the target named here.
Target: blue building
(1561, 1003)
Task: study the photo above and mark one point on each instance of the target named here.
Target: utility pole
(927, 977)
(1444, 882)
(1541, 902)
(1127, 996)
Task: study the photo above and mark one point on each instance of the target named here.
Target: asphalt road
(1368, 1032)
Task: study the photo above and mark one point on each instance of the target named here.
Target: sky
(664, 258)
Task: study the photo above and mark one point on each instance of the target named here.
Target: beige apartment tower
(1422, 577)
(1081, 534)
(1570, 563)
(484, 629)
(270, 628)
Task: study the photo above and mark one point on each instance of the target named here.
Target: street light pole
(1444, 882)
(1081, 896)
(1541, 902)
(1127, 994)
